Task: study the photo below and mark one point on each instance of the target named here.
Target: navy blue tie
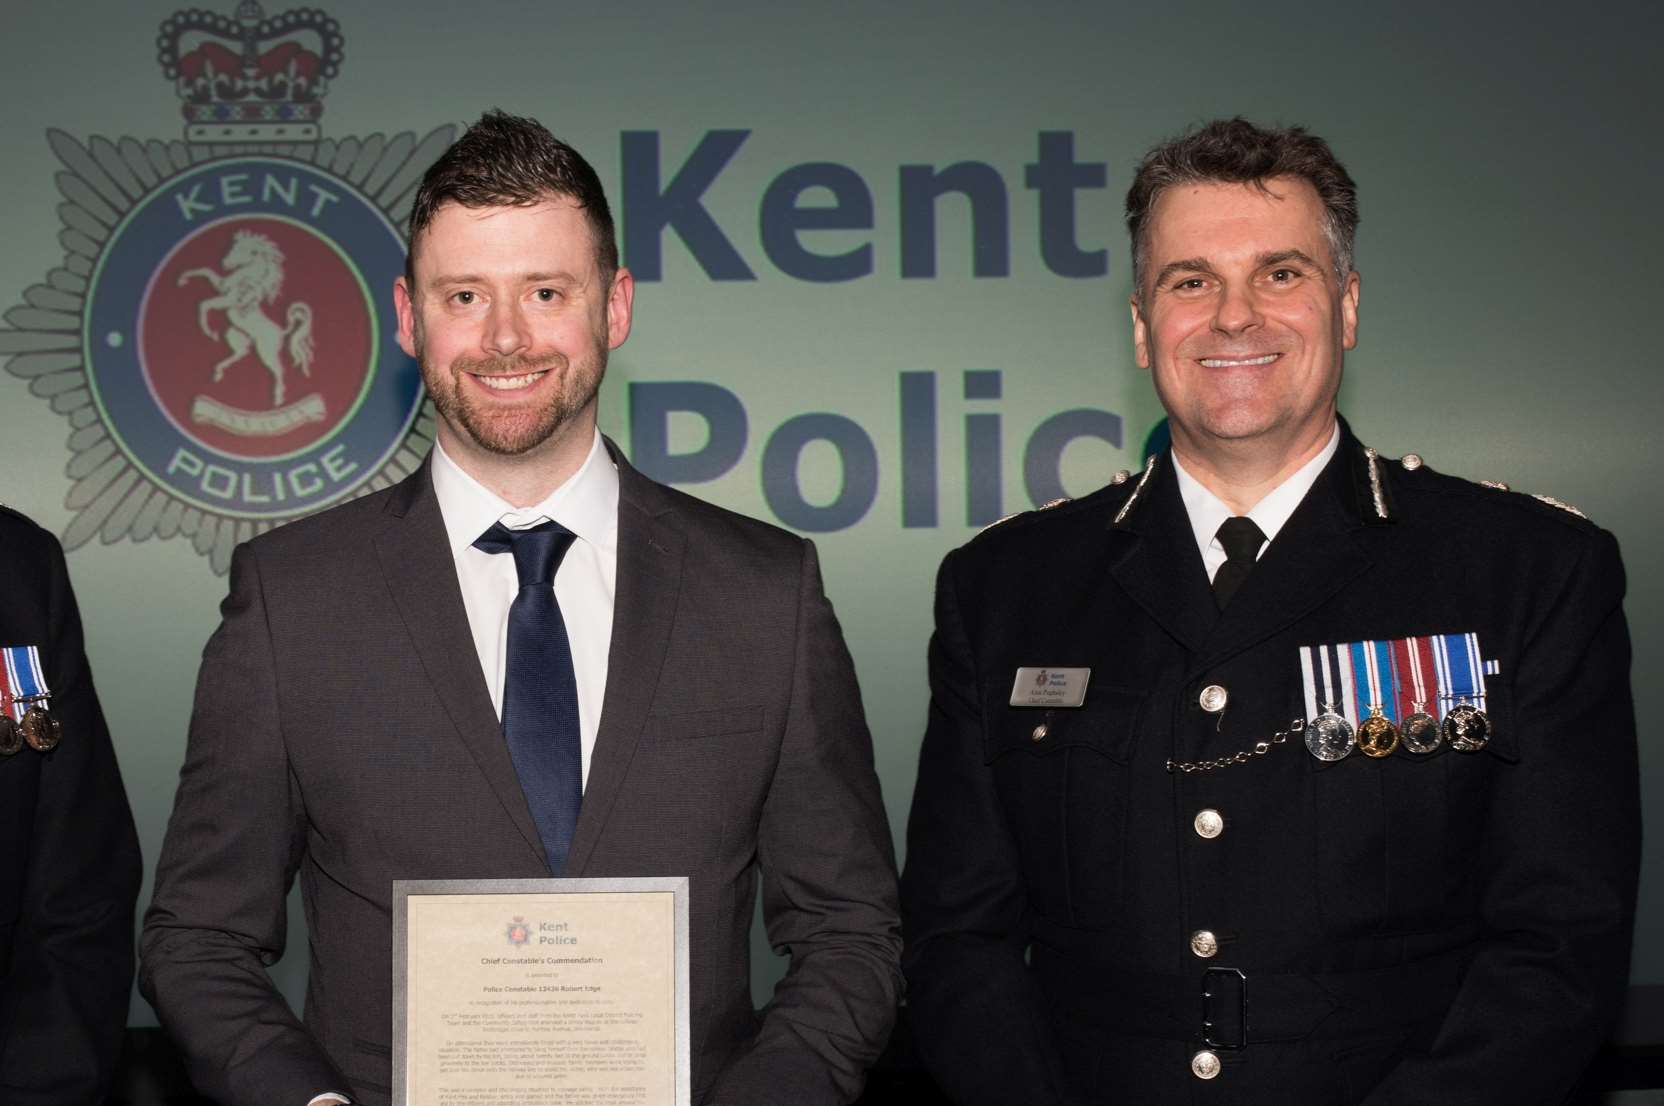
(540, 691)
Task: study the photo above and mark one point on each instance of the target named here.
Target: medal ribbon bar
(1461, 672)
(1330, 681)
(1417, 679)
(1378, 690)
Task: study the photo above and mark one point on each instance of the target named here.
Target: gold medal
(11, 739)
(41, 730)
(1466, 728)
(1377, 737)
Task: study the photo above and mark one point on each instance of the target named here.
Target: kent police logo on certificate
(220, 335)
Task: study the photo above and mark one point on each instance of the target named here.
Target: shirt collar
(1207, 511)
(586, 504)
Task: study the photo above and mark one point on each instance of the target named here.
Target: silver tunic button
(1204, 944)
(1039, 733)
(1209, 823)
(1205, 1064)
(1411, 462)
(1213, 698)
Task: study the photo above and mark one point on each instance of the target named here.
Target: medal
(1421, 732)
(1412, 659)
(40, 729)
(1467, 728)
(1376, 687)
(1329, 736)
(1461, 674)
(1377, 737)
(1326, 671)
(22, 691)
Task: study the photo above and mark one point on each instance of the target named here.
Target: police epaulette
(1411, 462)
(1048, 505)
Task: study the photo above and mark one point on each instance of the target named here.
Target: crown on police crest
(247, 78)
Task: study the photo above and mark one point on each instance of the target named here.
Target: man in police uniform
(1279, 772)
(69, 857)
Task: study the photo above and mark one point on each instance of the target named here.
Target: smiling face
(1242, 320)
(511, 321)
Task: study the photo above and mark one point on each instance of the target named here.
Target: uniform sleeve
(1560, 859)
(233, 845)
(64, 1002)
(972, 1004)
(829, 887)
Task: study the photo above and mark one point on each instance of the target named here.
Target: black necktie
(540, 691)
(1242, 541)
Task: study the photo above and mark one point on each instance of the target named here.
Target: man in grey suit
(362, 712)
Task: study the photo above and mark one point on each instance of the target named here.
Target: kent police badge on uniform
(220, 335)
(1049, 687)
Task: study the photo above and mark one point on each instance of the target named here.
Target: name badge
(1050, 687)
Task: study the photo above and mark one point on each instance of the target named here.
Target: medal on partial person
(23, 689)
(41, 729)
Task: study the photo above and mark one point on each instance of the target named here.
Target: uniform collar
(1207, 511)
(1359, 478)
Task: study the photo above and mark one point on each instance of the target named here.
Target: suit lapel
(1323, 546)
(644, 610)
(1160, 567)
(421, 575)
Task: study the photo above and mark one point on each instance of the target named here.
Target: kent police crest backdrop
(882, 278)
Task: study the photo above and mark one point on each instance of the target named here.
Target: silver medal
(1329, 736)
(1420, 733)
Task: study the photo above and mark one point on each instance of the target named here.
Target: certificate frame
(521, 896)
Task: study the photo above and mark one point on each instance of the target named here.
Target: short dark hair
(507, 160)
(1235, 151)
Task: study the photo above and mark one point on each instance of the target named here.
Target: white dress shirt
(587, 505)
(1207, 511)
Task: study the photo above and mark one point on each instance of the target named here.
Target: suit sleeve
(975, 1011)
(1560, 859)
(233, 844)
(64, 1002)
(829, 886)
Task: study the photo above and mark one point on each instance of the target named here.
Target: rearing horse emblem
(253, 277)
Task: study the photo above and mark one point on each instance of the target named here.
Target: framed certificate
(541, 992)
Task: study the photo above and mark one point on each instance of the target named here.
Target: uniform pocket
(1396, 836)
(1062, 776)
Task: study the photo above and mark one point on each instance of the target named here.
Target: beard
(512, 433)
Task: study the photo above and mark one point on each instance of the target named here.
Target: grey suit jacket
(343, 733)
